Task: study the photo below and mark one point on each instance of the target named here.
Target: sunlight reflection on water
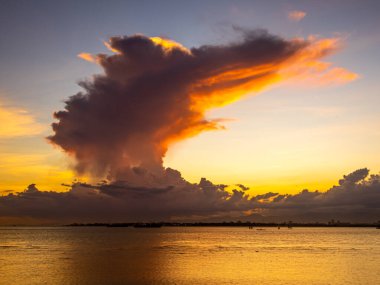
(167, 255)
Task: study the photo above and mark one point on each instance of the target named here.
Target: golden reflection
(188, 255)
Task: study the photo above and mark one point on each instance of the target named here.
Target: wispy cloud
(296, 15)
(17, 122)
(87, 57)
(310, 71)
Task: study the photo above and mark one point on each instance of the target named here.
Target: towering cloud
(154, 92)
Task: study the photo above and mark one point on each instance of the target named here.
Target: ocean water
(168, 255)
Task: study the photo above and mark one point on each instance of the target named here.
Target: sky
(304, 132)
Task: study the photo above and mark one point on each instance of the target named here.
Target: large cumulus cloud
(154, 92)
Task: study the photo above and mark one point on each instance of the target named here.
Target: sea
(189, 255)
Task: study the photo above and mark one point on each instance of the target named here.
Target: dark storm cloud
(154, 92)
(356, 200)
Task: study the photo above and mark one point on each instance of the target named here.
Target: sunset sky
(306, 131)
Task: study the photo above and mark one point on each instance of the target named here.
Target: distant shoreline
(209, 224)
(227, 224)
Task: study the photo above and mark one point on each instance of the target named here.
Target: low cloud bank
(355, 199)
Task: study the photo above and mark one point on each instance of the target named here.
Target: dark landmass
(289, 224)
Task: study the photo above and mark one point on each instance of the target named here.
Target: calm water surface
(189, 256)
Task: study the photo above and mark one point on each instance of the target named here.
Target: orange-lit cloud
(296, 15)
(109, 47)
(87, 57)
(155, 92)
(168, 44)
(16, 122)
(307, 69)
